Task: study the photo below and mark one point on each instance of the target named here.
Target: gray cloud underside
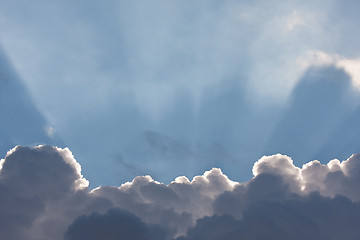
(44, 196)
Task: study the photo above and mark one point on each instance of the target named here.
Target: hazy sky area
(179, 120)
(171, 88)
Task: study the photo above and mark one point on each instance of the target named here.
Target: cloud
(111, 225)
(307, 217)
(45, 196)
(32, 180)
(43, 192)
(320, 59)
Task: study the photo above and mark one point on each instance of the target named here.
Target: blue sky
(171, 88)
(179, 120)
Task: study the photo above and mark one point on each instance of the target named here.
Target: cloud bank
(45, 196)
(173, 79)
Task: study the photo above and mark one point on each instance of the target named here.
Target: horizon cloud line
(44, 187)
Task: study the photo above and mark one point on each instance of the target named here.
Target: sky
(183, 119)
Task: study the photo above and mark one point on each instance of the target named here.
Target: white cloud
(44, 187)
(319, 58)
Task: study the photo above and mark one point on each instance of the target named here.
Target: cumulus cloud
(32, 183)
(45, 196)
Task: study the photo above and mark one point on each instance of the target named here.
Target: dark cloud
(43, 192)
(114, 224)
(30, 178)
(278, 203)
(299, 217)
(44, 196)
